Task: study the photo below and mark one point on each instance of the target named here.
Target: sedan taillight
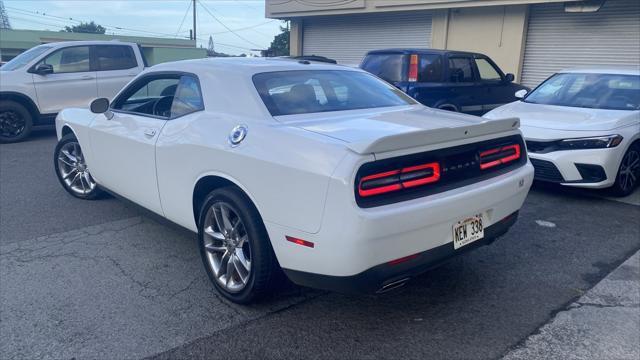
(498, 156)
(394, 180)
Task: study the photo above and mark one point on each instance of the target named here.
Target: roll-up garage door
(348, 38)
(557, 40)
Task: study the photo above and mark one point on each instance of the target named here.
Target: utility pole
(4, 18)
(195, 36)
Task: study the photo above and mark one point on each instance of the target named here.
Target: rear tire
(72, 171)
(15, 122)
(235, 247)
(628, 176)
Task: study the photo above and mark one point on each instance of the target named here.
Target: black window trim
(93, 54)
(32, 69)
(177, 74)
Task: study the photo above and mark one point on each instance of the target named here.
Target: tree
(280, 44)
(90, 28)
(211, 51)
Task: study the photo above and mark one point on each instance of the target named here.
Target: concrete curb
(603, 324)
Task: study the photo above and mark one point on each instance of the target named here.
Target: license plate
(467, 231)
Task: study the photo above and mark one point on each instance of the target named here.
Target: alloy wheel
(12, 124)
(629, 170)
(227, 246)
(73, 169)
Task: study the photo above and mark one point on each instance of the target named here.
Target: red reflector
(514, 155)
(403, 259)
(413, 68)
(300, 241)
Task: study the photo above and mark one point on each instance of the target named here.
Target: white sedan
(323, 171)
(582, 128)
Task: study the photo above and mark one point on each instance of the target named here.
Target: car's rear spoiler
(433, 136)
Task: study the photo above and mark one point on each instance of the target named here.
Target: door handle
(150, 132)
(87, 77)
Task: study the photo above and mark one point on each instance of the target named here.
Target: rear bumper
(388, 276)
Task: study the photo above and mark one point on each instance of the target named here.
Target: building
(529, 38)
(156, 50)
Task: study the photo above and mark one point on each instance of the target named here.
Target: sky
(156, 18)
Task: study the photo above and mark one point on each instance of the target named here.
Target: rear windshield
(390, 67)
(313, 91)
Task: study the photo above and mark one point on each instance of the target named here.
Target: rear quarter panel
(285, 171)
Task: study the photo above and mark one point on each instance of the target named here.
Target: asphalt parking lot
(104, 280)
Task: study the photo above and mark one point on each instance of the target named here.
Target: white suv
(40, 82)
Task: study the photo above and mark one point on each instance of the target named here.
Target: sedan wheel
(72, 169)
(629, 173)
(228, 248)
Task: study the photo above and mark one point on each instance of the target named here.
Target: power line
(184, 17)
(226, 27)
(28, 12)
(246, 27)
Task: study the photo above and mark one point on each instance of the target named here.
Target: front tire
(628, 176)
(15, 122)
(235, 247)
(72, 171)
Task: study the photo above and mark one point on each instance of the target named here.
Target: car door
(123, 140)
(116, 65)
(463, 85)
(72, 83)
(495, 91)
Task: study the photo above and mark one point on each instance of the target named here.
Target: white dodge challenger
(324, 172)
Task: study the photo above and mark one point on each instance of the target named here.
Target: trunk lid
(397, 128)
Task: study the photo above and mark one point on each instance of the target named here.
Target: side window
(151, 95)
(115, 57)
(386, 66)
(188, 98)
(487, 71)
(430, 68)
(460, 69)
(69, 60)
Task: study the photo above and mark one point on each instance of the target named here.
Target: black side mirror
(509, 77)
(44, 69)
(100, 106)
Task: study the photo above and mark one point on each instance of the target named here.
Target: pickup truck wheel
(628, 177)
(72, 171)
(15, 122)
(235, 246)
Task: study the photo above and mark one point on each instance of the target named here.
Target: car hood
(563, 117)
(387, 129)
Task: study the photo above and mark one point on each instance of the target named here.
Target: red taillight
(498, 156)
(395, 180)
(413, 68)
(300, 241)
(403, 259)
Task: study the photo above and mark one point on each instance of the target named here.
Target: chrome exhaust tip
(393, 285)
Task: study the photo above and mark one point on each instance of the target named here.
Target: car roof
(246, 65)
(616, 70)
(87, 42)
(420, 51)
